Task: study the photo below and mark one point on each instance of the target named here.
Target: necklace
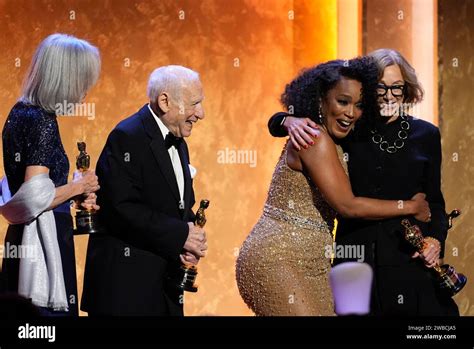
(399, 143)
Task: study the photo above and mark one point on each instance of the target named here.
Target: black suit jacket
(130, 266)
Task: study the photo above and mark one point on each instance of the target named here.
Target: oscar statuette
(449, 280)
(86, 219)
(188, 272)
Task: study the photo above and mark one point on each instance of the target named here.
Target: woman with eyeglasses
(283, 265)
(392, 158)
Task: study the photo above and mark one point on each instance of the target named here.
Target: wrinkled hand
(422, 208)
(189, 258)
(89, 202)
(431, 252)
(196, 243)
(301, 131)
(87, 181)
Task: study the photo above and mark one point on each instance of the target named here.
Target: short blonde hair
(386, 57)
(63, 69)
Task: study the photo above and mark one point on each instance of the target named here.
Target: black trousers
(410, 290)
(406, 288)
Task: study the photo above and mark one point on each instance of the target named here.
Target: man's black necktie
(172, 140)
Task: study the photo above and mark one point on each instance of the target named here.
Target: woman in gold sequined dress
(284, 263)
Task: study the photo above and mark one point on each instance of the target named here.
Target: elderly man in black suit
(146, 199)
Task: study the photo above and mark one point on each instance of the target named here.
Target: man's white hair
(63, 69)
(170, 79)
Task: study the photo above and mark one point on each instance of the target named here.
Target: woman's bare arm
(85, 185)
(322, 163)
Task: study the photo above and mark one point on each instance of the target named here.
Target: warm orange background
(245, 51)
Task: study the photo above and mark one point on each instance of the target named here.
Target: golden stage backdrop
(245, 51)
(456, 81)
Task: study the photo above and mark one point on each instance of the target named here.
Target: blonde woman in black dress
(63, 69)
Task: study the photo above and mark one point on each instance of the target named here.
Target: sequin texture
(283, 265)
(31, 137)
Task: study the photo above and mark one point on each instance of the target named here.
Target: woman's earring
(320, 115)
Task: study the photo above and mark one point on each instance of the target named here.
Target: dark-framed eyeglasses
(397, 90)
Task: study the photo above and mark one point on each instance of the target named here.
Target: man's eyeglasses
(397, 90)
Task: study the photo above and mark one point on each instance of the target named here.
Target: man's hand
(189, 258)
(196, 243)
(301, 131)
(431, 251)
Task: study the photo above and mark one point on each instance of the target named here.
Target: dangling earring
(320, 115)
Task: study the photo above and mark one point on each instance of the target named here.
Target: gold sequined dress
(283, 265)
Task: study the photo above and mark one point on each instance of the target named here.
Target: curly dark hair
(302, 95)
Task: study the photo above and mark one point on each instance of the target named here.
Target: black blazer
(130, 267)
(398, 176)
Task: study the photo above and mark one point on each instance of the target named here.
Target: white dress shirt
(175, 160)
